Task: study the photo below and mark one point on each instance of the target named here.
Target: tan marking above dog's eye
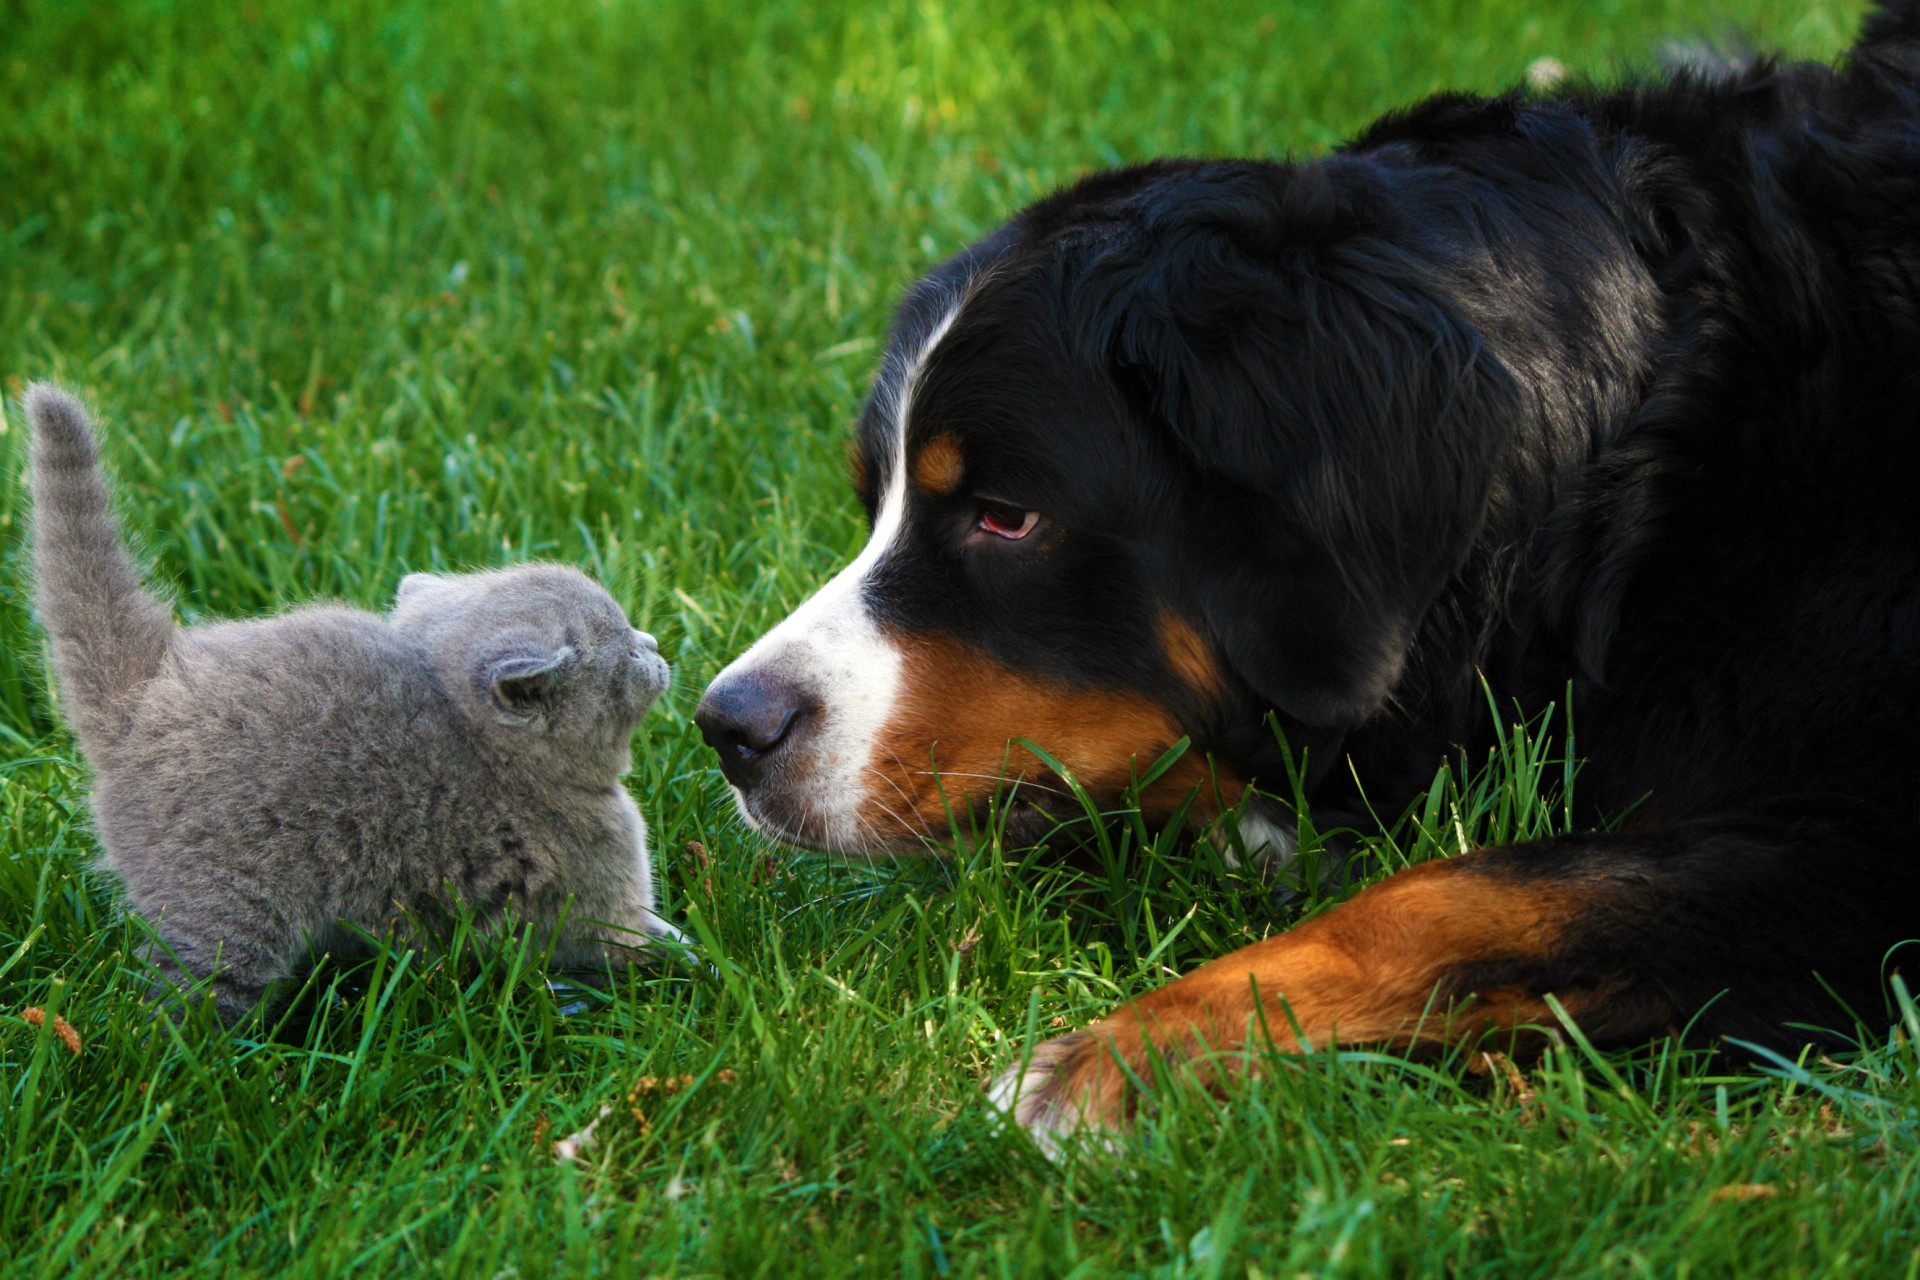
(939, 467)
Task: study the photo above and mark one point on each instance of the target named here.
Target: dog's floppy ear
(1341, 416)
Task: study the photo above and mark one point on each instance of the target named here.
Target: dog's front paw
(1085, 1087)
(1070, 1089)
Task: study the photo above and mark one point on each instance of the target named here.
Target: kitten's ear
(524, 684)
(415, 585)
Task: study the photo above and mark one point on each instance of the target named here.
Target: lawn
(363, 288)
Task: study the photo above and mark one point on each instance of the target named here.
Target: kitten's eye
(1002, 521)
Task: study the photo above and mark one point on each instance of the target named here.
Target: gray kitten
(259, 783)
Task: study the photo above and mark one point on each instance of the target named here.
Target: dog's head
(1184, 446)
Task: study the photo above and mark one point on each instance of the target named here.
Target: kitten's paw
(175, 990)
(653, 947)
(659, 944)
(665, 931)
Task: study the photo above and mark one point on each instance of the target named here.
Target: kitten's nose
(748, 719)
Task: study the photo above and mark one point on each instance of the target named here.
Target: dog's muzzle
(755, 721)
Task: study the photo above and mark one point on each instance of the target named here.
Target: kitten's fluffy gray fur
(257, 783)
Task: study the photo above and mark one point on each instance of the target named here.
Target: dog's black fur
(1612, 388)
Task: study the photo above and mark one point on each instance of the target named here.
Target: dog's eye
(1011, 523)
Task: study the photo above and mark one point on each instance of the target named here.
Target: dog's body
(1612, 389)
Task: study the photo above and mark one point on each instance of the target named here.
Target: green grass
(366, 288)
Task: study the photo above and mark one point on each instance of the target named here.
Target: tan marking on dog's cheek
(1189, 655)
(949, 742)
(939, 467)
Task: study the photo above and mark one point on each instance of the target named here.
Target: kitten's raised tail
(109, 632)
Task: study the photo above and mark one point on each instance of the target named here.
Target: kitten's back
(309, 759)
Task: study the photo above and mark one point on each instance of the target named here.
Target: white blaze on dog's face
(831, 665)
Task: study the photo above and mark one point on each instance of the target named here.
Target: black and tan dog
(1618, 388)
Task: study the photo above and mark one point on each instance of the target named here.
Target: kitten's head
(535, 654)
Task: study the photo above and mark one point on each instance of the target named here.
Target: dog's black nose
(747, 719)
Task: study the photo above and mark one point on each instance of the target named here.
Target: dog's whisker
(1028, 783)
(893, 782)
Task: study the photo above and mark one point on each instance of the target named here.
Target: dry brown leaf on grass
(1746, 1191)
(1519, 1087)
(576, 1144)
(35, 1016)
